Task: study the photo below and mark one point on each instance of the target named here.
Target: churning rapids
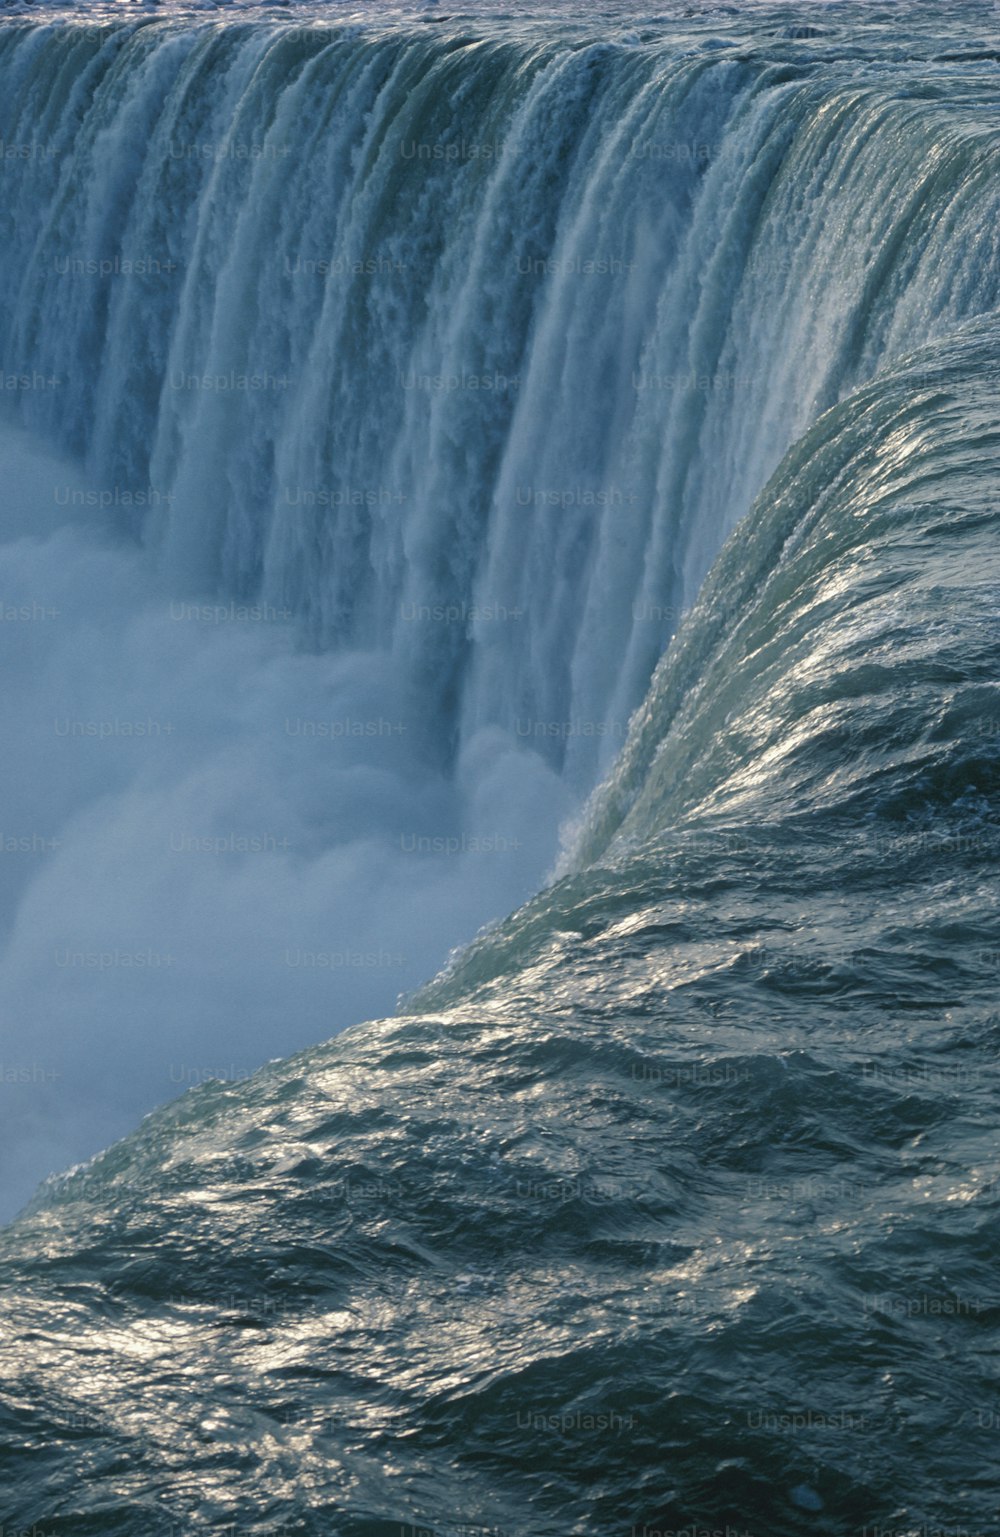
(509, 465)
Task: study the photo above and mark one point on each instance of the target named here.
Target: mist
(218, 847)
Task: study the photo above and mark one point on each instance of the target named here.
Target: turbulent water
(451, 432)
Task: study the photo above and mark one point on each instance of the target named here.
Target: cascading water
(411, 324)
(378, 399)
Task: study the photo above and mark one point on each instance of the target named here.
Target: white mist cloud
(216, 849)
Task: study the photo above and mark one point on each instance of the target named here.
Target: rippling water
(671, 1205)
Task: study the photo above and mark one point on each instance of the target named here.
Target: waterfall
(469, 352)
